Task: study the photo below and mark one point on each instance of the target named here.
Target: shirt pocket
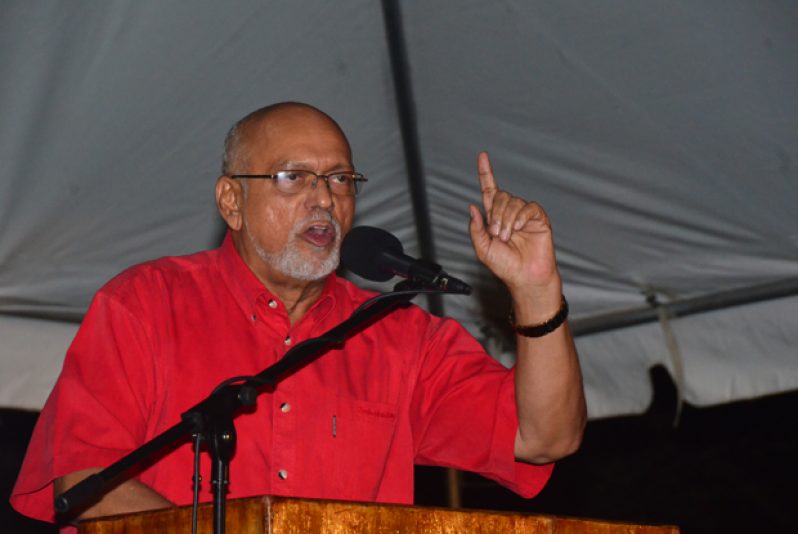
(362, 434)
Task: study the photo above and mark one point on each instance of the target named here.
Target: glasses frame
(358, 178)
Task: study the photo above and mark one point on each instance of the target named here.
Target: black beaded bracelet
(540, 330)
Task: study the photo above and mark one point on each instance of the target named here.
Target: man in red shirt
(410, 388)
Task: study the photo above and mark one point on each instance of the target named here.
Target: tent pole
(684, 307)
(406, 110)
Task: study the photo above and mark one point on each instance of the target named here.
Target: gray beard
(290, 261)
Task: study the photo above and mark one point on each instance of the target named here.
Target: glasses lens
(343, 184)
(292, 181)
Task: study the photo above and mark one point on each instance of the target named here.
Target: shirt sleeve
(464, 412)
(94, 415)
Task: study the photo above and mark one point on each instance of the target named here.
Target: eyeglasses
(293, 182)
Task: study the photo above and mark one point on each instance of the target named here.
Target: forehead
(298, 137)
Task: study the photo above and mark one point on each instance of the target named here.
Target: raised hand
(514, 240)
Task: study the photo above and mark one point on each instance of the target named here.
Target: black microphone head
(363, 248)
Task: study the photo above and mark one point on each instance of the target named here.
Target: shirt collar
(247, 289)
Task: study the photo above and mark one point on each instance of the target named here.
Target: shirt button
(283, 474)
(254, 317)
(287, 340)
(285, 407)
(272, 304)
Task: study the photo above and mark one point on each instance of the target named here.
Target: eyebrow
(305, 165)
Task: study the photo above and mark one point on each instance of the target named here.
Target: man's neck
(297, 297)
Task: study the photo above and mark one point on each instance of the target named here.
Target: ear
(230, 202)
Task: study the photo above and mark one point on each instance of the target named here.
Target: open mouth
(319, 234)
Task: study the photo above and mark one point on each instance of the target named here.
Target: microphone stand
(212, 418)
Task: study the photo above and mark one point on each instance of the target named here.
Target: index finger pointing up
(487, 182)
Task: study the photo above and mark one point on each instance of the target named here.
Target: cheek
(271, 224)
(344, 213)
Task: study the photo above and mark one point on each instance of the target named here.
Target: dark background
(729, 468)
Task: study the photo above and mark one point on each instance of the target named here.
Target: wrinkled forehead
(298, 134)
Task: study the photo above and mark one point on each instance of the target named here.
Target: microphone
(378, 255)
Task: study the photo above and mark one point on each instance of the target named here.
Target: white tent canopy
(660, 137)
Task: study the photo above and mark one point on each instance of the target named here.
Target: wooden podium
(282, 515)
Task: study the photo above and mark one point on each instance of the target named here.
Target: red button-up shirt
(411, 388)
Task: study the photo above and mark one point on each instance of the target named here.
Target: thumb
(479, 235)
